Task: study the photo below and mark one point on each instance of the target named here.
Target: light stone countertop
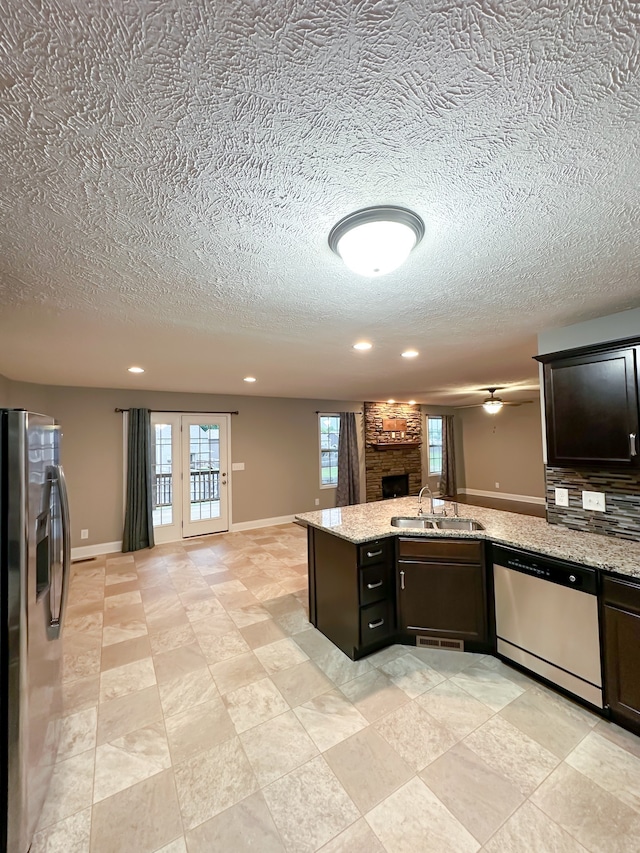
(364, 522)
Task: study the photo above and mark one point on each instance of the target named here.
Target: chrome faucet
(422, 490)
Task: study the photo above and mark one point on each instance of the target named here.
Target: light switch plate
(594, 501)
(562, 497)
(237, 466)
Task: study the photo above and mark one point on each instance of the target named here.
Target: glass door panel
(204, 474)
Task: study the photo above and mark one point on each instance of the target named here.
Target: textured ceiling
(170, 171)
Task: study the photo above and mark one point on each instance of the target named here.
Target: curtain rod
(185, 412)
(318, 412)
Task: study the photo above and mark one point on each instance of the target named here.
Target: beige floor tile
(130, 759)
(248, 615)
(479, 797)
(530, 831)
(117, 579)
(621, 737)
(454, 708)
(445, 661)
(294, 622)
(386, 655)
(81, 655)
(277, 747)
(301, 683)
(213, 781)
(254, 704)
(82, 623)
(237, 672)
(70, 790)
(309, 806)
(330, 718)
(374, 694)
(415, 735)
(177, 662)
(281, 655)
(127, 679)
(123, 599)
(197, 729)
(186, 691)
(71, 835)
(340, 668)
(142, 818)
(509, 672)
(413, 819)
(221, 646)
(357, 838)
(171, 638)
(488, 686)
(609, 766)
(80, 694)
(511, 753)
(123, 614)
(411, 675)
(246, 827)
(77, 733)
(599, 821)
(313, 643)
(262, 633)
(119, 717)
(177, 846)
(118, 654)
(368, 768)
(203, 608)
(555, 722)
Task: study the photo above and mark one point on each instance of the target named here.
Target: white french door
(190, 477)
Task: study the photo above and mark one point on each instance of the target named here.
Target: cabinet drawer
(621, 593)
(449, 550)
(375, 583)
(374, 552)
(375, 622)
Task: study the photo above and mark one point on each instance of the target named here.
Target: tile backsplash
(622, 489)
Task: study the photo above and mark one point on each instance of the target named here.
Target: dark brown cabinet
(352, 592)
(621, 633)
(591, 406)
(441, 591)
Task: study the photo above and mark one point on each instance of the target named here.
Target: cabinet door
(622, 664)
(444, 600)
(592, 409)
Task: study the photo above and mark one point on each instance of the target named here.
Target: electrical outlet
(594, 501)
(237, 466)
(84, 534)
(497, 485)
(562, 497)
(317, 501)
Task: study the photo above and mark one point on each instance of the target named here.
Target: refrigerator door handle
(56, 618)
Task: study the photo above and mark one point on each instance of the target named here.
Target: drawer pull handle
(632, 444)
(374, 585)
(401, 580)
(374, 553)
(376, 624)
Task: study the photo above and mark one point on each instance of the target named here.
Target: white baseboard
(527, 499)
(95, 550)
(261, 522)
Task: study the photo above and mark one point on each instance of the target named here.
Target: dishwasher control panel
(555, 571)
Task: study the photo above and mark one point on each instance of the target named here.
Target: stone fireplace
(392, 452)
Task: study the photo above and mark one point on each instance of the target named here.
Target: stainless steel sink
(418, 521)
(457, 524)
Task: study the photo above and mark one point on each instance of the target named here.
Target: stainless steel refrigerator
(34, 572)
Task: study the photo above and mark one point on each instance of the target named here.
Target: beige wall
(4, 390)
(505, 448)
(276, 438)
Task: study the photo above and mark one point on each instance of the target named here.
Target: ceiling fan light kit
(492, 404)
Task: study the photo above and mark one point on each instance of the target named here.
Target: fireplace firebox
(395, 486)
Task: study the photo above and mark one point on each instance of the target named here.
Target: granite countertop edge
(365, 522)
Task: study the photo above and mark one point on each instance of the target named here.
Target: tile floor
(203, 713)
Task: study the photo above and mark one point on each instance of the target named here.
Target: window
(329, 428)
(434, 434)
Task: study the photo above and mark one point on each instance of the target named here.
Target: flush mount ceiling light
(390, 402)
(409, 353)
(492, 404)
(249, 378)
(376, 240)
(412, 402)
(135, 369)
(362, 345)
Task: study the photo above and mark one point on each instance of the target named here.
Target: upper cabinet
(591, 405)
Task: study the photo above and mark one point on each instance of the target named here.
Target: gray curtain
(348, 491)
(138, 517)
(448, 478)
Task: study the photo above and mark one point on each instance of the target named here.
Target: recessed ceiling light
(410, 353)
(376, 240)
(390, 401)
(135, 369)
(362, 345)
(412, 402)
(249, 378)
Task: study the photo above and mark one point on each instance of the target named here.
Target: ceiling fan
(493, 404)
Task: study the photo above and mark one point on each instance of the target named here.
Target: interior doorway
(190, 470)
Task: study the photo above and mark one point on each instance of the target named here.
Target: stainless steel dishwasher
(547, 620)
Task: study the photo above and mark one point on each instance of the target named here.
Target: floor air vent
(440, 643)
